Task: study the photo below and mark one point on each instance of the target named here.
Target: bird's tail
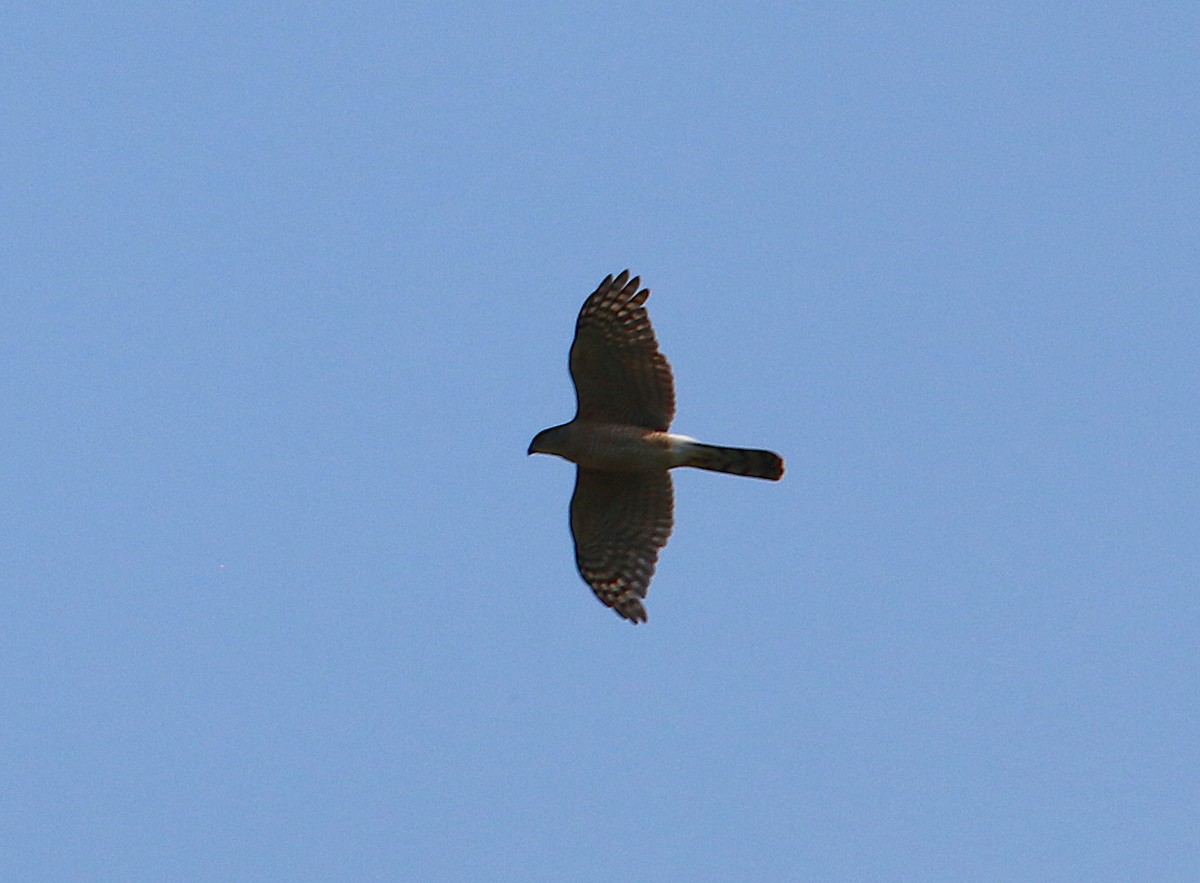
(735, 461)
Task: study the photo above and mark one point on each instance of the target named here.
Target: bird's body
(614, 447)
(622, 508)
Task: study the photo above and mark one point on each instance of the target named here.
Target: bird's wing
(619, 521)
(620, 375)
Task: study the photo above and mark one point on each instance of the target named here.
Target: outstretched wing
(620, 375)
(619, 521)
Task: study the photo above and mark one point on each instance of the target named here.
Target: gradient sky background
(290, 287)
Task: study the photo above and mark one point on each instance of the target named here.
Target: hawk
(622, 508)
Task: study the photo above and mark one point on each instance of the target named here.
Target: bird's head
(546, 441)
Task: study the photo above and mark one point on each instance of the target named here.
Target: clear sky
(288, 288)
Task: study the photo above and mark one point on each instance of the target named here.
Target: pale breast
(618, 448)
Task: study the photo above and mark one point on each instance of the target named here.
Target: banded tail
(735, 461)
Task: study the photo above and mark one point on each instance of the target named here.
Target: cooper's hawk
(622, 509)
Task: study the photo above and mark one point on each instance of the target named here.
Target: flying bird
(622, 511)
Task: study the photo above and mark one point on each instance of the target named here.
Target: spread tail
(736, 461)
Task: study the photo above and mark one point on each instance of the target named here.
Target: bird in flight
(622, 510)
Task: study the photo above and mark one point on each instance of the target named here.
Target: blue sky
(289, 288)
